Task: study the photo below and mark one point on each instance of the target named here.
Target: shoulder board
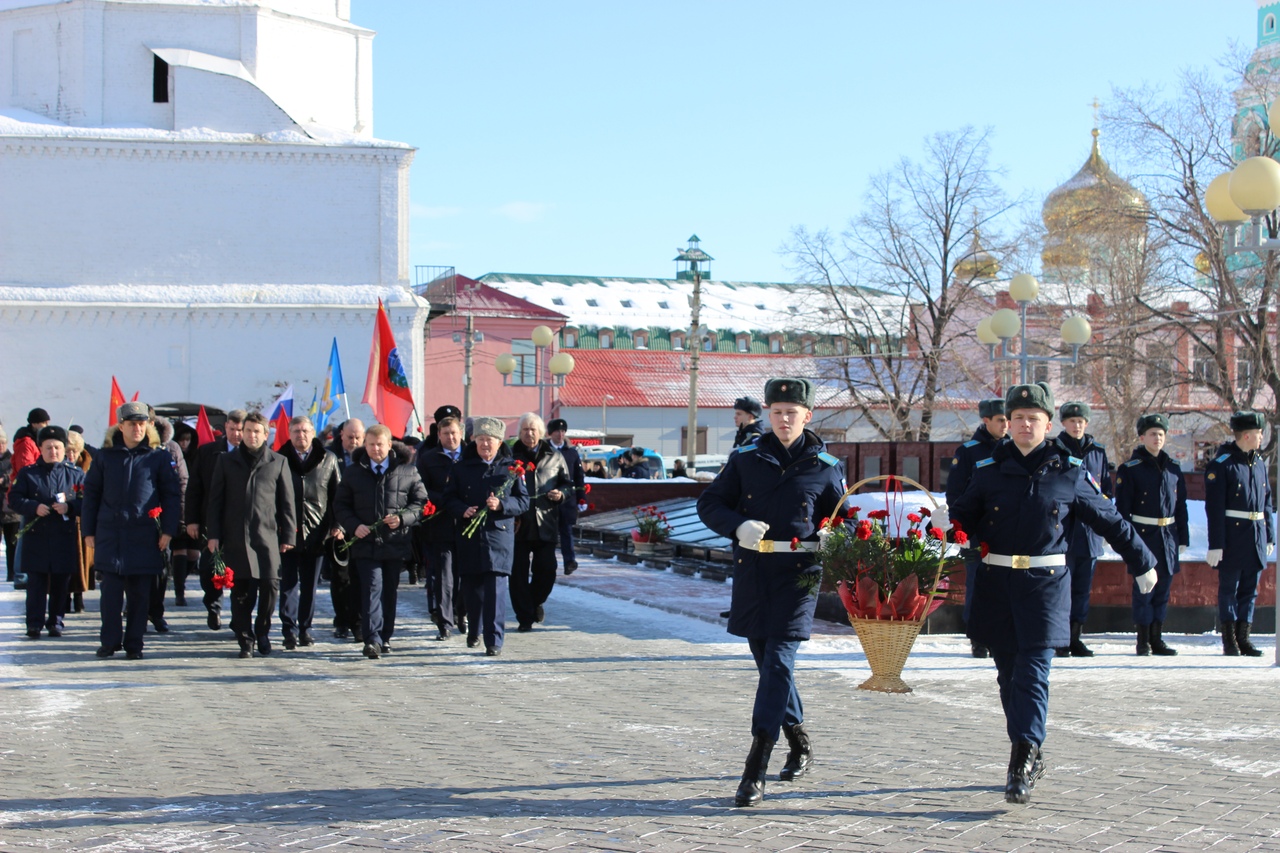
(1099, 445)
(1076, 461)
(982, 463)
(829, 459)
(973, 442)
(747, 448)
(1131, 462)
(1223, 458)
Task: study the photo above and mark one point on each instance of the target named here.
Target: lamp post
(1244, 202)
(688, 260)
(604, 421)
(1007, 324)
(559, 366)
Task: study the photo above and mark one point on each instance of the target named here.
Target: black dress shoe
(215, 621)
(105, 652)
(55, 632)
(442, 634)
(33, 635)
(371, 651)
(290, 644)
(539, 614)
(133, 655)
(264, 645)
(472, 642)
(570, 568)
(524, 627)
(180, 600)
(385, 648)
(246, 653)
(306, 639)
(492, 651)
(724, 614)
(161, 626)
(341, 633)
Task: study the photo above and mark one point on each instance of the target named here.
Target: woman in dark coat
(131, 478)
(82, 580)
(479, 484)
(533, 572)
(49, 493)
(252, 519)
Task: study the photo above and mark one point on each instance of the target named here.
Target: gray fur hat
(492, 427)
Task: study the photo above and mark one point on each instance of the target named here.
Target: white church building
(193, 201)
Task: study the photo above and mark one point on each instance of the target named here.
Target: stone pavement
(614, 727)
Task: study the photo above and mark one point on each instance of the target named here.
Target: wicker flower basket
(887, 643)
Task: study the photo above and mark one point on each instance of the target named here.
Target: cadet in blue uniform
(746, 417)
(995, 426)
(1151, 493)
(1238, 507)
(1085, 546)
(1020, 506)
(783, 484)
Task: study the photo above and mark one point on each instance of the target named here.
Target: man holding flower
(785, 485)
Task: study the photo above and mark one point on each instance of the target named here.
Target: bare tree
(895, 279)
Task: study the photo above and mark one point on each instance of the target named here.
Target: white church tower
(192, 200)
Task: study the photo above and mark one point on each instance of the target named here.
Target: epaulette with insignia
(1223, 458)
(1075, 461)
(746, 448)
(971, 442)
(982, 463)
(1092, 481)
(829, 459)
(1131, 462)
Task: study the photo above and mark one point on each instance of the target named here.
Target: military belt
(775, 546)
(1022, 561)
(1154, 522)
(1239, 513)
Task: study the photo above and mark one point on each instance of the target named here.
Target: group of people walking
(480, 520)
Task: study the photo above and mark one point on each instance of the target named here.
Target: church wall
(184, 214)
(317, 72)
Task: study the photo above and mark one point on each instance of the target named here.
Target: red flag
(204, 429)
(282, 431)
(135, 396)
(117, 400)
(386, 387)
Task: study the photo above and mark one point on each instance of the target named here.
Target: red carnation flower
(586, 490)
(961, 537)
(924, 510)
(591, 507)
(795, 543)
(936, 532)
(913, 533)
(914, 518)
(428, 509)
(154, 512)
(878, 514)
(852, 512)
(955, 525)
(984, 549)
(863, 530)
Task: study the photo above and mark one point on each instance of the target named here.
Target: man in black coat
(315, 488)
(252, 519)
(132, 509)
(200, 478)
(344, 585)
(557, 431)
(533, 573)
(380, 498)
(746, 417)
(436, 532)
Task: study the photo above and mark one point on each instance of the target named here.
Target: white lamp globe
(1024, 288)
(506, 364)
(985, 335)
(1255, 185)
(1217, 200)
(1006, 323)
(1076, 331)
(561, 363)
(542, 336)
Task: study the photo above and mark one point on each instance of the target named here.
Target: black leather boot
(1229, 647)
(1158, 645)
(1079, 649)
(1144, 640)
(1242, 640)
(979, 650)
(751, 788)
(800, 755)
(1022, 774)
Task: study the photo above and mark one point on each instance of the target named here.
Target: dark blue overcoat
(435, 468)
(492, 547)
(792, 494)
(966, 457)
(1093, 458)
(1013, 511)
(1237, 480)
(1154, 487)
(122, 486)
(52, 545)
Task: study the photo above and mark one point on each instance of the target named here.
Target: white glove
(942, 518)
(1182, 550)
(1146, 582)
(1271, 549)
(1213, 557)
(750, 533)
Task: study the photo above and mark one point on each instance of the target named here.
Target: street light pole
(693, 256)
(604, 421)
(560, 366)
(1007, 324)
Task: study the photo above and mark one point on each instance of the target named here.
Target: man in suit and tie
(436, 533)
(197, 505)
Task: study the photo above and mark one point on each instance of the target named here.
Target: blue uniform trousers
(443, 586)
(299, 577)
(567, 520)
(1081, 569)
(970, 578)
(777, 700)
(379, 583)
(1152, 606)
(117, 591)
(1237, 589)
(486, 596)
(46, 600)
(1024, 692)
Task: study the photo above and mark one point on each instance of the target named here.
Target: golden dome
(1095, 202)
(977, 262)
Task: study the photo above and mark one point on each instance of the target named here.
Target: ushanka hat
(1242, 421)
(1037, 396)
(1075, 409)
(750, 405)
(133, 412)
(788, 389)
(492, 427)
(556, 424)
(51, 431)
(990, 408)
(1152, 421)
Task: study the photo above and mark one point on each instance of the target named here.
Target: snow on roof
(127, 295)
(24, 123)
(740, 306)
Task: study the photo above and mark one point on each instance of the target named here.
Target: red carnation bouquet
(877, 562)
(651, 525)
(514, 472)
(224, 577)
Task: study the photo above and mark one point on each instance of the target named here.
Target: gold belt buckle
(1020, 561)
(1165, 522)
(765, 546)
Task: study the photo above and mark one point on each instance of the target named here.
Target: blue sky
(592, 138)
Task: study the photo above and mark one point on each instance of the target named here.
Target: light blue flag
(333, 389)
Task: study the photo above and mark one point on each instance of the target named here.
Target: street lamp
(692, 256)
(559, 366)
(1007, 324)
(604, 421)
